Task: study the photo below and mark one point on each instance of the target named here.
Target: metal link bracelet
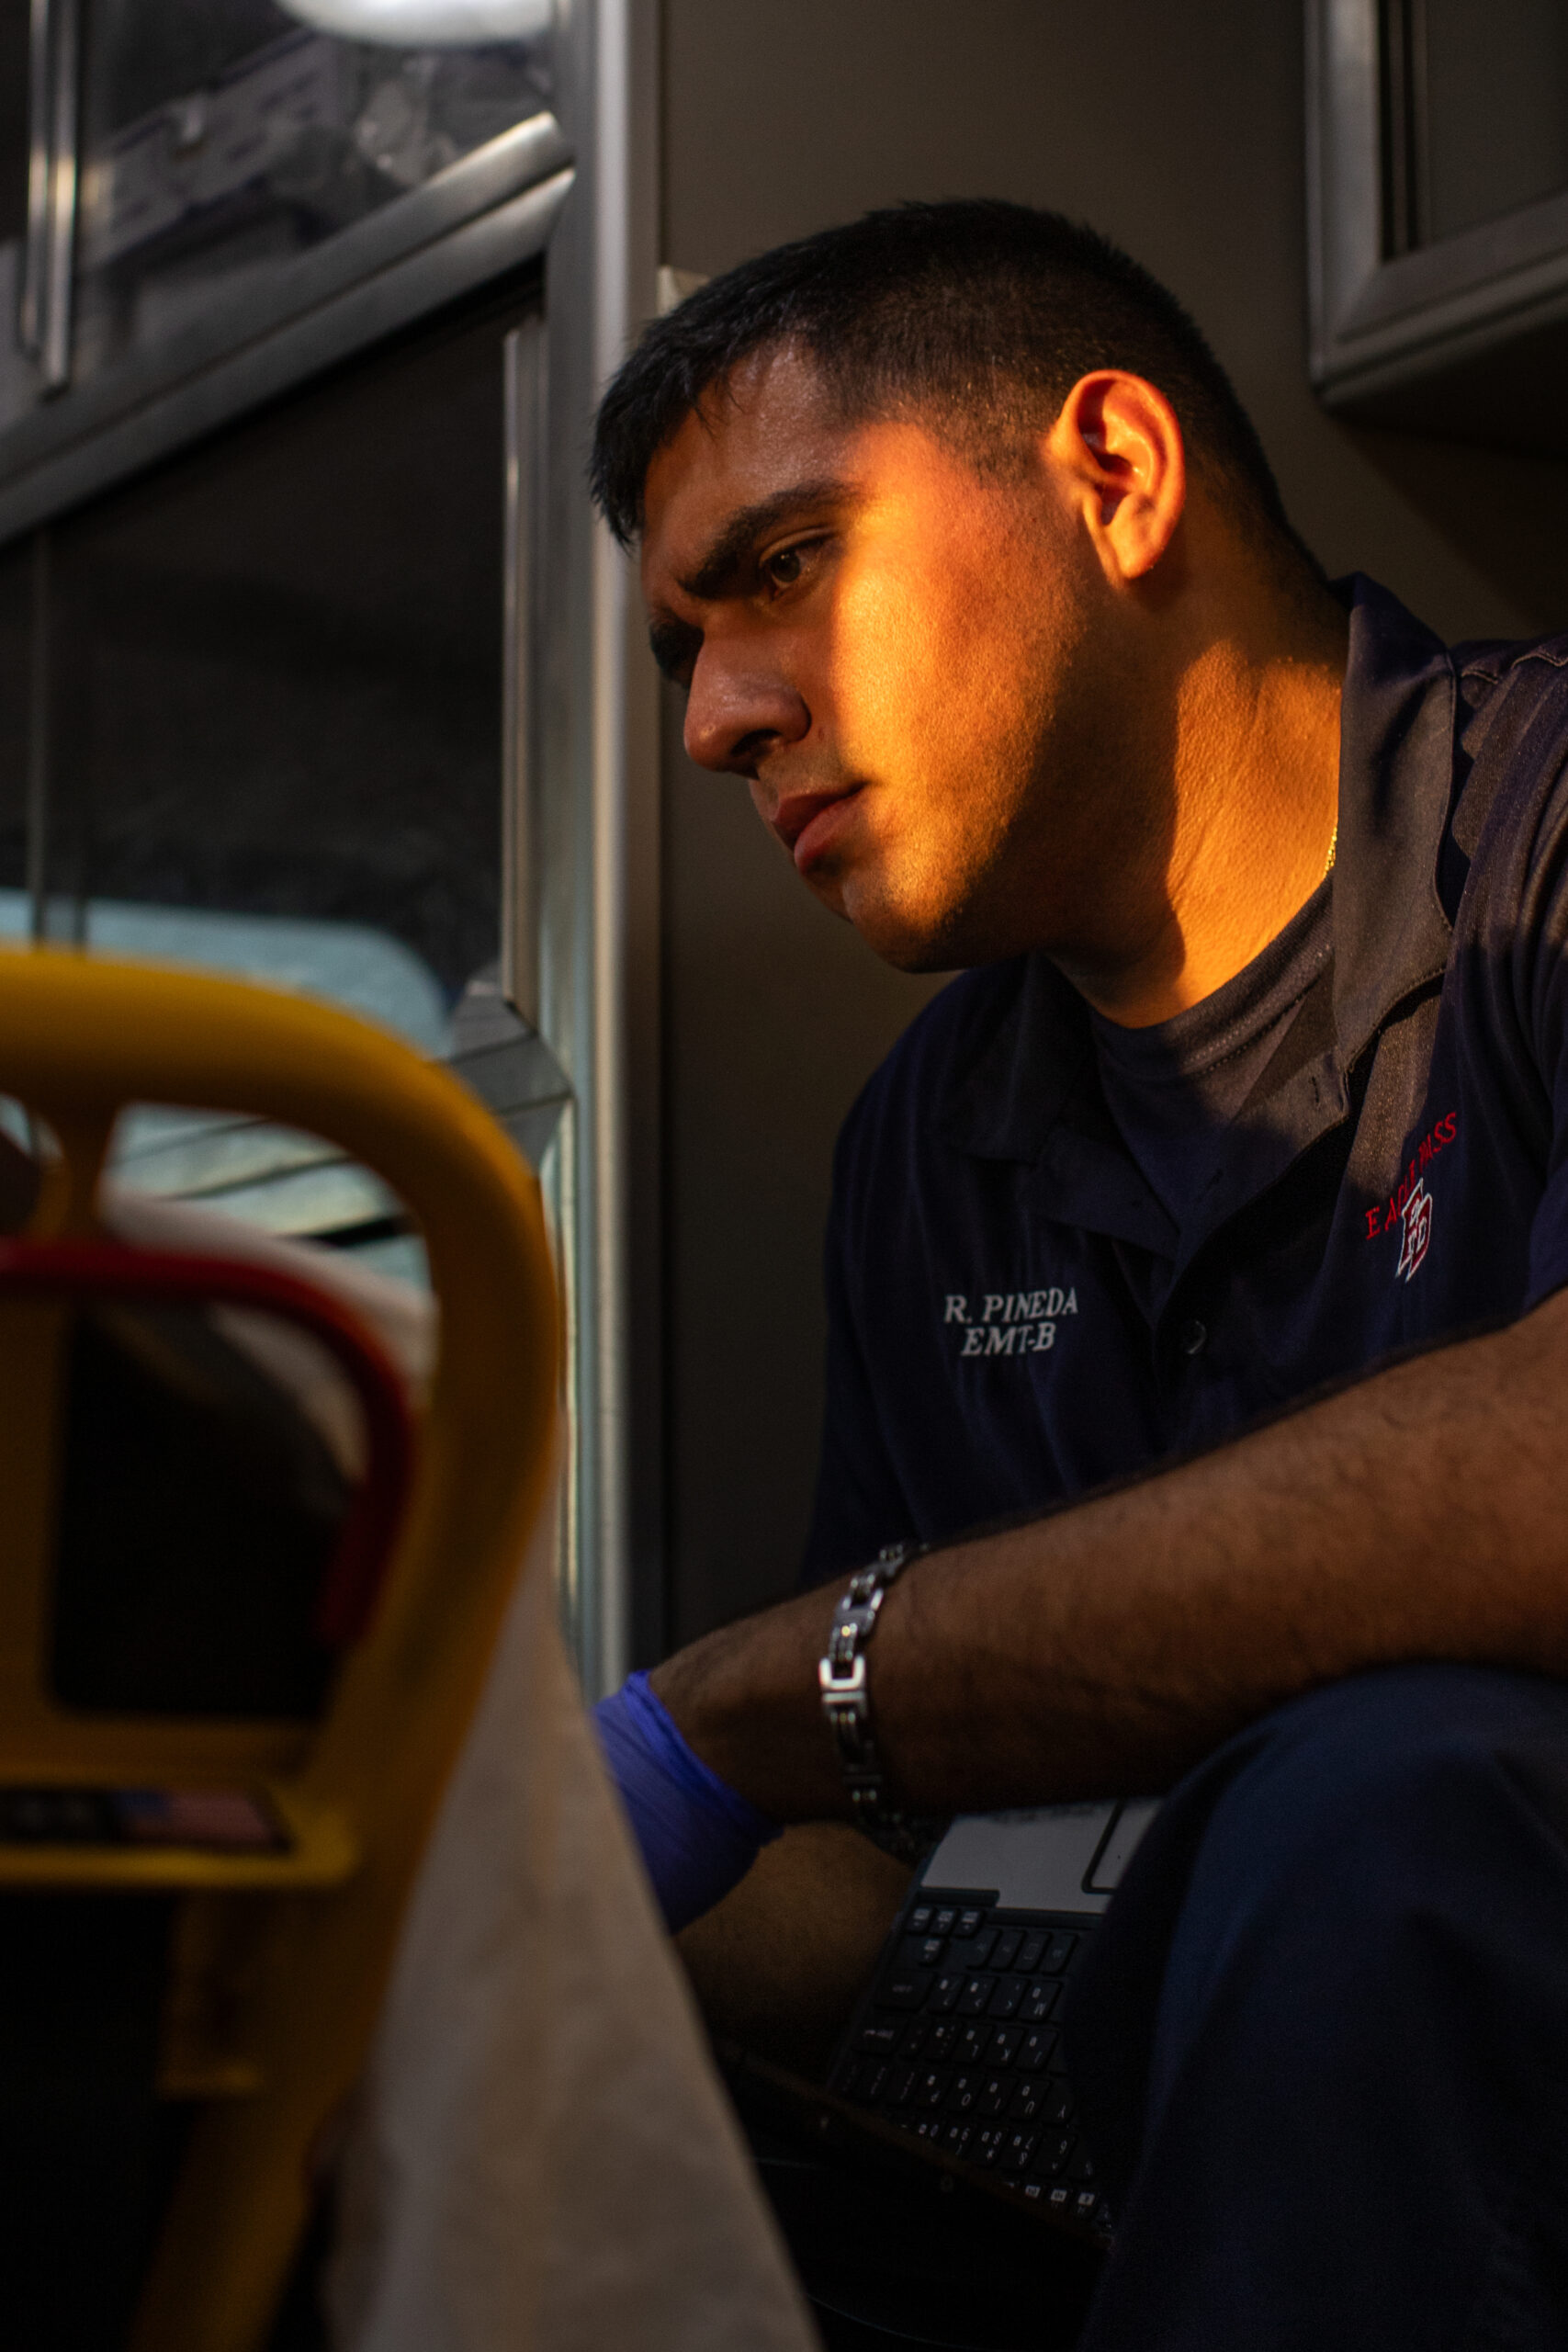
(846, 1702)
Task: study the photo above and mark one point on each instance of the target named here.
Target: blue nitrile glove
(697, 1836)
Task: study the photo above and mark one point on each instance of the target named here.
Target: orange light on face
(893, 698)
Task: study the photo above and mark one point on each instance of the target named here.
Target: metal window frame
(579, 957)
(597, 818)
(1402, 337)
(54, 79)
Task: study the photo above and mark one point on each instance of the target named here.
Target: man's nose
(738, 711)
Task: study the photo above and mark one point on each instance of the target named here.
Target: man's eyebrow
(729, 552)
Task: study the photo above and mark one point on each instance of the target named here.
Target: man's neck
(1254, 821)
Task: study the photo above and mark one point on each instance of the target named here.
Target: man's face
(908, 660)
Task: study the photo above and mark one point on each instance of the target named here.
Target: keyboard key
(1035, 2049)
(959, 2049)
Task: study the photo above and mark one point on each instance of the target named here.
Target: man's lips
(807, 822)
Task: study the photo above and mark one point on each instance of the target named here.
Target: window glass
(14, 26)
(273, 691)
(16, 607)
(218, 144)
(16, 381)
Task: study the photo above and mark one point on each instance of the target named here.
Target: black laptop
(953, 2062)
(915, 2186)
(956, 2045)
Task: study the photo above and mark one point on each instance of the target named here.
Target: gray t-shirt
(1174, 1089)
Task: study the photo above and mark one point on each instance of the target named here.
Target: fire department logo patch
(1409, 1205)
(1415, 1231)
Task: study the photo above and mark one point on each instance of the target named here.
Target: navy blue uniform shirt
(1014, 1316)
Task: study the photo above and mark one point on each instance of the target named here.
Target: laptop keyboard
(958, 2044)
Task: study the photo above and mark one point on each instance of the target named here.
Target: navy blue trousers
(1322, 2039)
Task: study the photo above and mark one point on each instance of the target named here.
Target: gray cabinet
(1438, 201)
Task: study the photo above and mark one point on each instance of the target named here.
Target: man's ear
(1119, 442)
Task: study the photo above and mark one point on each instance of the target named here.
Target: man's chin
(909, 941)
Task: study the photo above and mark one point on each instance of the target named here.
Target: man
(1211, 1229)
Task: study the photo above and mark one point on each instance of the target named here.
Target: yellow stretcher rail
(280, 1955)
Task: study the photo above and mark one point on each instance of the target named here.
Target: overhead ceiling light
(427, 24)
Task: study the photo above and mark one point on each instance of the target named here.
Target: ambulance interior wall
(1180, 133)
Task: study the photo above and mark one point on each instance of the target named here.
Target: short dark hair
(978, 316)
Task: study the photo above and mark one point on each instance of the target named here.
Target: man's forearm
(1420, 1514)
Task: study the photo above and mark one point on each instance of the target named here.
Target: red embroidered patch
(1416, 1221)
(1383, 1218)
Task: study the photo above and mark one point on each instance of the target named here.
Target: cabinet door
(1473, 115)
(273, 721)
(1438, 171)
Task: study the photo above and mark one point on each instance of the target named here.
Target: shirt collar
(1396, 760)
(1036, 1071)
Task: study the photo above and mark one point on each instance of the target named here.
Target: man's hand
(1421, 1514)
(781, 1962)
(696, 1836)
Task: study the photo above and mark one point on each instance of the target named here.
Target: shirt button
(1193, 1336)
